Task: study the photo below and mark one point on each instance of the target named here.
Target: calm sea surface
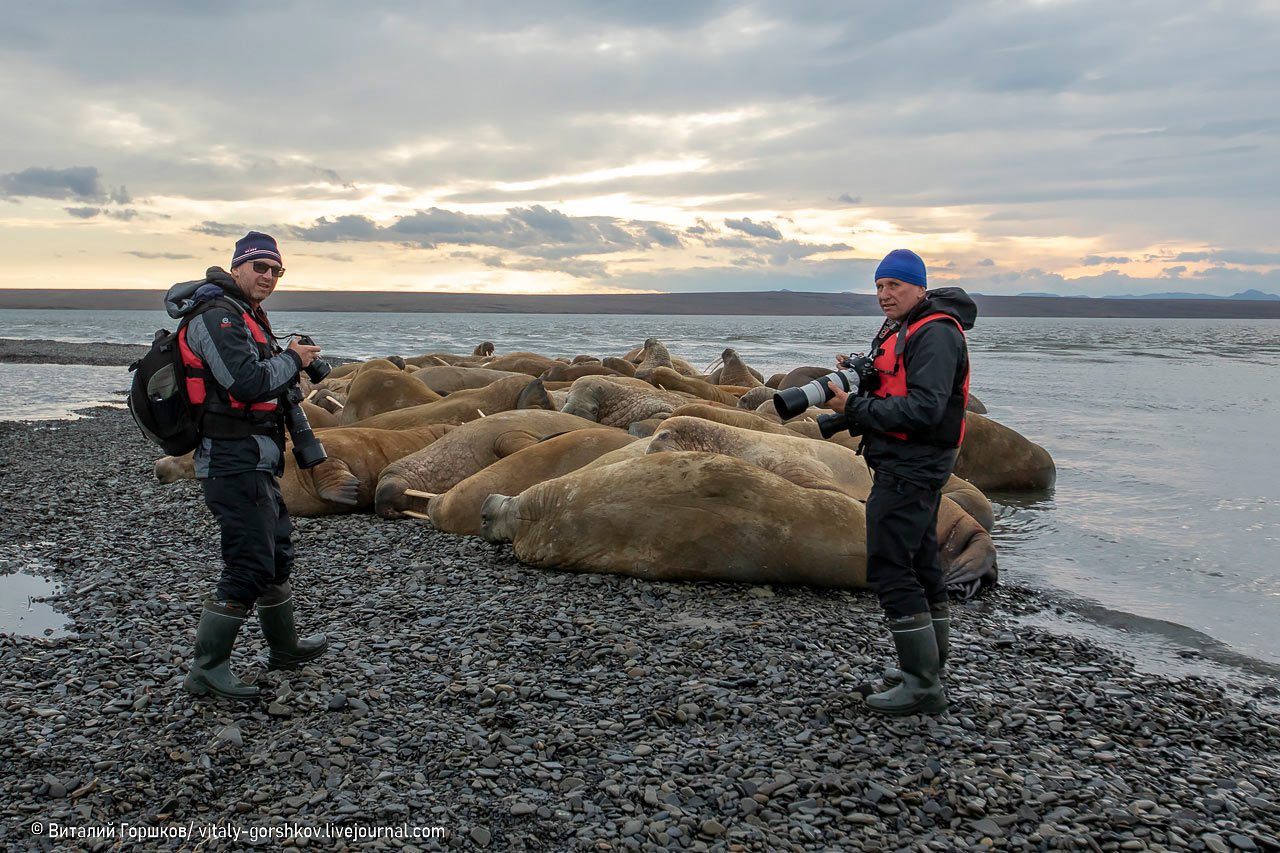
(1162, 534)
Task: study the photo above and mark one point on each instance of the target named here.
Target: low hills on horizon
(1247, 305)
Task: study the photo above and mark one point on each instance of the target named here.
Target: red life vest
(889, 361)
(222, 415)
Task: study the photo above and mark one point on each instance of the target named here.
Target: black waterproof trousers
(257, 545)
(902, 546)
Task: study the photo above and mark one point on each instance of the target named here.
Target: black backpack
(158, 396)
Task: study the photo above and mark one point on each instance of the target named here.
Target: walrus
(570, 372)
(518, 391)
(620, 365)
(965, 546)
(756, 397)
(994, 457)
(484, 348)
(522, 362)
(655, 354)
(670, 380)
(458, 509)
(619, 400)
(344, 482)
(444, 379)
(684, 516)
(734, 371)
(466, 450)
(375, 391)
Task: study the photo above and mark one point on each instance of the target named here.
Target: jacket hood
(952, 301)
(185, 295)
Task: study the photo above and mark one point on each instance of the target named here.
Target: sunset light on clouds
(1072, 147)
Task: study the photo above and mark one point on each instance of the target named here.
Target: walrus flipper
(335, 483)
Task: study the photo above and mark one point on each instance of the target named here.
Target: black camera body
(318, 369)
(868, 380)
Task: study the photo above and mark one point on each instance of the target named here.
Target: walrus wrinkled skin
(684, 516)
(458, 510)
(522, 362)
(469, 448)
(467, 405)
(619, 400)
(570, 372)
(965, 547)
(373, 392)
(995, 458)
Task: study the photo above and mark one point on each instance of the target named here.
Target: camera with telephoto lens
(307, 449)
(318, 369)
(857, 373)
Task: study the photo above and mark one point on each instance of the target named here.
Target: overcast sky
(1086, 147)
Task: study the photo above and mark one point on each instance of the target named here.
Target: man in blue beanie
(911, 418)
(238, 378)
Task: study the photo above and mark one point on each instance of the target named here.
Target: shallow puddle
(21, 615)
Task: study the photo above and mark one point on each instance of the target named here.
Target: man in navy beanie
(911, 418)
(238, 378)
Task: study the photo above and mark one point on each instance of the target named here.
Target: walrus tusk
(307, 398)
(336, 403)
(413, 514)
(481, 412)
(414, 493)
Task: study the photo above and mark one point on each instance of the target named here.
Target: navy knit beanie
(904, 265)
(255, 246)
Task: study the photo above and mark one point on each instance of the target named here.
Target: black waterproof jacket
(222, 340)
(933, 356)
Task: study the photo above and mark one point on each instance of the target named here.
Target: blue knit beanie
(904, 265)
(255, 246)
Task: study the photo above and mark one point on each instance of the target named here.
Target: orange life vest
(893, 383)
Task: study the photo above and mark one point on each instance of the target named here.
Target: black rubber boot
(275, 614)
(940, 614)
(220, 622)
(921, 689)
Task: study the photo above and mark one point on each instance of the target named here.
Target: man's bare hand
(839, 397)
(306, 353)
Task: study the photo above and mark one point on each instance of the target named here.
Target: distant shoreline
(768, 303)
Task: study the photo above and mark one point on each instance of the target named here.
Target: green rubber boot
(220, 622)
(921, 689)
(275, 614)
(940, 614)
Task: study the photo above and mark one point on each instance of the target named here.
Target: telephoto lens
(791, 402)
(318, 369)
(307, 449)
(833, 423)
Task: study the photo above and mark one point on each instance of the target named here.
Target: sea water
(1164, 524)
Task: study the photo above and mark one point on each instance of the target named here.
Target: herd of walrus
(637, 465)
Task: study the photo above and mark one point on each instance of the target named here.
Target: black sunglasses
(261, 267)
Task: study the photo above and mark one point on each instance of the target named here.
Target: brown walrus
(458, 509)
(619, 400)
(670, 380)
(684, 516)
(518, 391)
(444, 379)
(344, 482)
(995, 458)
(373, 392)
(965, 546)
(467, 449)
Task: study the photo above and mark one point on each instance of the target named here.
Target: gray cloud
(80, 182)
(1233, 256)
(755, 229)
(83, 212)
(1096, 260)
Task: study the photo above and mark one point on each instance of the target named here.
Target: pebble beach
(471, 702)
